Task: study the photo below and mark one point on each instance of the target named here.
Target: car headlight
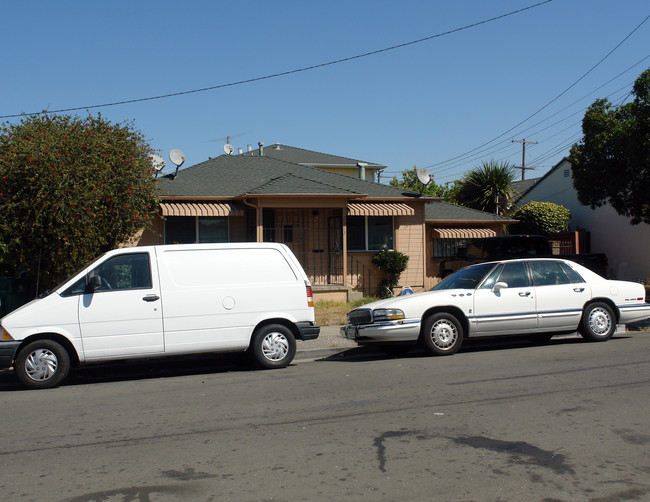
(387, 314)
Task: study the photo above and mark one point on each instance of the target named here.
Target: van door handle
(151, 298)
(578, 290)
(527, 293)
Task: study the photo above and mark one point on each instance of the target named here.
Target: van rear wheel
(274, 346)
(42, 364)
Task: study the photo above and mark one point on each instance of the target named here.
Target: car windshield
(466, 278)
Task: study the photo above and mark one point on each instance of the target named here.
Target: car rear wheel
(598, 322)
(442, 335)
(42, 364)
(274, 346)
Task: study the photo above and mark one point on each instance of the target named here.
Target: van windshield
(58, 286)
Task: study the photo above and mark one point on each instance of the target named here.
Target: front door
(507, 310)
(123, 317)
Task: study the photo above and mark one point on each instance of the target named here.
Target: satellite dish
(177, 157)
(424, 176)
(157, 162)
(228, 148)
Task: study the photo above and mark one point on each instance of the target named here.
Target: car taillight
(310, 295)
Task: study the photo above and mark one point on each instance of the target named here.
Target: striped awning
(200, 209)
(462, 233)
(379, 209)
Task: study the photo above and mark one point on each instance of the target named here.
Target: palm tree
(488, 187)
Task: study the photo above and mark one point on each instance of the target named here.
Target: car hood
(429, 297)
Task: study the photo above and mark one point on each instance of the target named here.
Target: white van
(164, 300)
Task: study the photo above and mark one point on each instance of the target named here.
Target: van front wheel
(274, 346)
(42, 364)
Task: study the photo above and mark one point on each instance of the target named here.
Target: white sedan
(539, 297)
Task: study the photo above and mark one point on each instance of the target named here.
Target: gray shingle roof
(230, 176)
(443, 211)
(309, 157)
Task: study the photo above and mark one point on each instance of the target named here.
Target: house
(334, 222)
(626, 246)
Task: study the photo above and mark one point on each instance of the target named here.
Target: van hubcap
(275, 346)
(41, 365)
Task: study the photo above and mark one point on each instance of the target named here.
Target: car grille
(360, 316)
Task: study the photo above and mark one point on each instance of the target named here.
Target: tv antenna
(177, 157)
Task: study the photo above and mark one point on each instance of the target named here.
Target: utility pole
(523, 155)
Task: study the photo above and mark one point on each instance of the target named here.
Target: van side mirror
(499, 286)
(93, 284)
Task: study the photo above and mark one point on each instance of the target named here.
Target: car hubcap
(599, 322)
(443, 334)
(275, 346)
(41, 365)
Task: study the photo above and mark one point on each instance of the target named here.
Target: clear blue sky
(422, 104)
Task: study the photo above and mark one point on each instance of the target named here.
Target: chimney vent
(362, 170)
(261, 145)
(249, 148)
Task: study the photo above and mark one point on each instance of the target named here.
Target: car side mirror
(499, 286)
(93, 284)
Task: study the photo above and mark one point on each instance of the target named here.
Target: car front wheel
(274, 346)
(42, 364)
(598, 322)
(442, 335)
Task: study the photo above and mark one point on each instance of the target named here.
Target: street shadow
(144, 369)
(376, 352)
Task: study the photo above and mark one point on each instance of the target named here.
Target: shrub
(392, 262)
(541, 218)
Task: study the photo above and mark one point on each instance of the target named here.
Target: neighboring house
(334, 223)
(626, 246)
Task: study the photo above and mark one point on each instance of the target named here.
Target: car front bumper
(390, 331)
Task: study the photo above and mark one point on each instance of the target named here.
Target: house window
(445, 249)
(191, 229)
(370, 233)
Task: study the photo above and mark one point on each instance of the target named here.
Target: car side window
(573, 276)
(548, 273)
(515, 275)
(491, 279)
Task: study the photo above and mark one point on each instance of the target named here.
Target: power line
(288, 72)
(547, 104)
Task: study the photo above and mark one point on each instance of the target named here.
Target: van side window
(126, 271)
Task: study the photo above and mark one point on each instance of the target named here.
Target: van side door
(120, 312)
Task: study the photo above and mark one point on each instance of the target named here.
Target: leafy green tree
(488, 187)
(410, 181)
(611, 164)
(541, 218)
(70, 189)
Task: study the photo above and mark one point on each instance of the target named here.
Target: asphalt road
(567, 421)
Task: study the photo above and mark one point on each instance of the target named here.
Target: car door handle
(151, 298)
(527, 293)
(578, 290)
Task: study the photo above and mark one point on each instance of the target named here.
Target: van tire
(42, 364)
(273, 346)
